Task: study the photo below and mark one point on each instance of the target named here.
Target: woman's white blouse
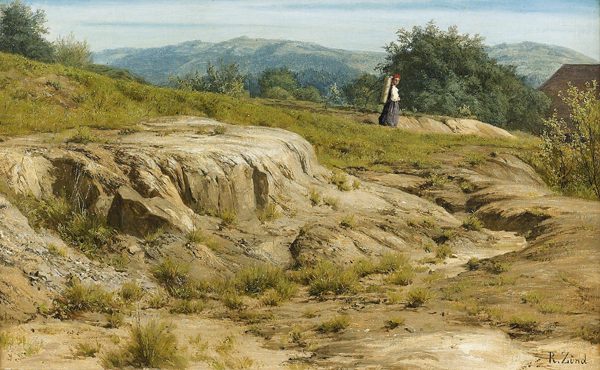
(394, 95)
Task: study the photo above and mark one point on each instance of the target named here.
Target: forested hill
(252, 55)
(535, 61)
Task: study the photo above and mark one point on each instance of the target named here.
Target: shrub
(340, 179)
(525, 322)
(443, 251)
(335, 325)
(571, 148)
(131, 291)
(86, 349)
(472, 223)
(327, 277)
(55, 250)
(151, 345)
(473, 264)
(70, 52)
(404, 277)
(187, 307)
(83, 135)
(114, 320)
(418, 296)
(233, 301)
(315, 197)
(195, 236)
(496, 267)
(364, 267)
(332, 202)
(157, 300)
(259, 278)
(269, 213)
(79, 297)
(394, 323)
(391, 262)
(531, 297)
(172, 275)
(228, 216)
(348, 222)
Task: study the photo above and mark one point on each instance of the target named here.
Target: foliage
(22, 31)
(278, 77)
(571, 148)
(334, 95)
(326, 277)
(222, 79)
(70, 52)
(472, 223)
(444, 72)
(418, 296)
(86, 349)
(78, 297)
(131, 291)
(308, 93)
(393, 323)
(151, 345)
(260, 278)
(363, 92)
(335, 325)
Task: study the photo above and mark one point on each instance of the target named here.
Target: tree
(308, 93)
(334, 95)
(277, 77)
(571, 148)
(70, 52)
(444, 72)
(363, 92)
(222, 79)
(22, 31)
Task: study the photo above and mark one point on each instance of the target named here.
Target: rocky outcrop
(459, 126)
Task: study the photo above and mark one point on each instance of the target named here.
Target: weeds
(393, 323)
(473, 264)
(114, 320)
(260, 278)
(187, 307)
(348, 222)
(150, 345)
(443, 251)
(228, 216)
(269, 213)
(78, 297)
(326, 277)
(335, 325)
(315, 197)
(332, 202)
(391, 262)
(131, 291)
(55, 250)
(525, 322)
(86, 349)
(340, 180)
(401, 277)
(417, 297)
(472, 223)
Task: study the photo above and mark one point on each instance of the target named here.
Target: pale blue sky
(351, 24)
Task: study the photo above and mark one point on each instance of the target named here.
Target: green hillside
(252, 55)
(50, 98)
(537, 62)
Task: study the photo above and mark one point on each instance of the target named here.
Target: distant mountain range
(314, 63)
(537, 62)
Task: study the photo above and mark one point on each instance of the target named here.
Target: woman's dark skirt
(390, 114)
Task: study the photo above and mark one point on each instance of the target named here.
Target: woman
(391, 109)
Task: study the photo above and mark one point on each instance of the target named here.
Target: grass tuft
(335, 325)
(417, 297)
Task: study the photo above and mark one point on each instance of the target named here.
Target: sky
(349, 24)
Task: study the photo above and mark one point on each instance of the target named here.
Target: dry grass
(335, 325)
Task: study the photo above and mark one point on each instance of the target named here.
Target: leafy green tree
(222, 79)
(22, 31)
(278, 77)
(308, 93)
(444, 72)
(334, 95)
(571, 148)
(363, 92)
(71, 52)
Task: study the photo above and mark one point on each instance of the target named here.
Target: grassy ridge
(37, 97)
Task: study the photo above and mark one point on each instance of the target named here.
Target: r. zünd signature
(566, 358)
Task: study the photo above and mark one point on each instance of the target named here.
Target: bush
(308, 93)
(443, 251)
(175, 278)
(187, 307)
(340, 180)
(70, 52)
(278, 93)
(418, 296)
(222, 79)
(401, 277)
(326, 277)
(151, 345)
(525, 322)
(472, 223)
(131, 291)
(473, 264)
(348, 222)
(269, 213)
(364, 91)
(86, 349)
(78, 297)
(571, 149)
(258, 279)
(332, 202)
(335, 325)
(391, 262)
(394, 323)
(114, 320)
(315, 197)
